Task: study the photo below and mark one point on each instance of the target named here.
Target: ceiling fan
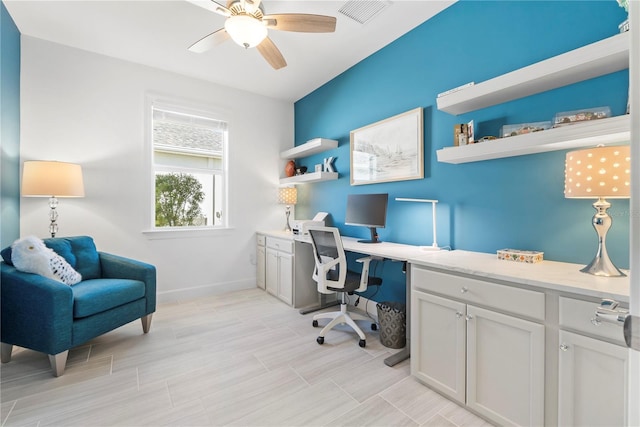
(247, 25)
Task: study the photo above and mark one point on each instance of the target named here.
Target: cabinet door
(285, 278)
(593, 379)
(271, 271)
(438, 343)
(505, 367)
(261, 267)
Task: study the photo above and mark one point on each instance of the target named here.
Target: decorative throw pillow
(32, 256)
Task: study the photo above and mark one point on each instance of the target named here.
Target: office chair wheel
(315, 323)
(362, 343)
(374, 327)
(320, 340)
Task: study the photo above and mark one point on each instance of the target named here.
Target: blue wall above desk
(515, 202)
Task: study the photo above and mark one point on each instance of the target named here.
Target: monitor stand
(374, 236)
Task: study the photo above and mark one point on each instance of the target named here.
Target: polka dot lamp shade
(598, 172)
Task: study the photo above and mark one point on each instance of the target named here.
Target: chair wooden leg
(58, 362)
(5, 352)
(146, 322)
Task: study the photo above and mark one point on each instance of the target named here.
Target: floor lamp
(52, 179)
(598, 173)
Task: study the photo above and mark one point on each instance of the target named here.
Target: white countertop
(552, 275)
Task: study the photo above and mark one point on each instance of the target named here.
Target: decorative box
(576, 116)
(522, 128)
(529, 257)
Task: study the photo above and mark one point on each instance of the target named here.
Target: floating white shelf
(310, 177)
(313, 146)
(611, 131)
(594, 60)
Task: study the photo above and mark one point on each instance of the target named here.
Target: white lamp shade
(598, 172)
(47, 178)
(245, 30)
(288, 196)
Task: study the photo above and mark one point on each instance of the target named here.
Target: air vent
(363, 11)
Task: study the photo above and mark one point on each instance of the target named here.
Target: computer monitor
(367, 210)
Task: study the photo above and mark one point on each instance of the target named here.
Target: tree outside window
(189, 166)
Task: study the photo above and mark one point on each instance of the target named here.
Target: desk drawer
(521, 302)
(577, 315)
(280, 244)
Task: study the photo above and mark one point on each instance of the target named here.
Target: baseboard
(186, 294)
(365, 304)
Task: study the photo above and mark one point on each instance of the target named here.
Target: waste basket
(392, 317)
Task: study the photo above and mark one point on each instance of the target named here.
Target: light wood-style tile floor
(238, 359)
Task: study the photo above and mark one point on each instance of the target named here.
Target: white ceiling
(158, 33)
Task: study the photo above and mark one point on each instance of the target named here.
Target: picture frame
(388, 150)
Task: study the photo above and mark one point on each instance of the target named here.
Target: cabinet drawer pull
(468, 317)
(464, 290)
(564, 347)
(595, 321)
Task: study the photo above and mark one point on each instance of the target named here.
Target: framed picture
(389, 150)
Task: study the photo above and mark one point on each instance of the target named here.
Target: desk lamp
(288, 196)
(599, 173)
(434, 246)
(53, 180)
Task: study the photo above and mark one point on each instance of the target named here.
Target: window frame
(182, 106)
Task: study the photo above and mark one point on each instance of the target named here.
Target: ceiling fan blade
(212, 6)
(271, 54)
(301, 22)
(210, 41)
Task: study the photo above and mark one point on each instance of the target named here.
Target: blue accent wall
(10, 128)
(515, 202)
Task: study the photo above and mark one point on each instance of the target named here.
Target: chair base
(339, 318)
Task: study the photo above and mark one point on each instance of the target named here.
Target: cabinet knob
(464, 290)
(564, 347)
(468, 317)
(595, 321)
(458, 315)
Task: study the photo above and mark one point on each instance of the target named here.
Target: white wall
(89, 109)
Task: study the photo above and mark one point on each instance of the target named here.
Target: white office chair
(332, 276)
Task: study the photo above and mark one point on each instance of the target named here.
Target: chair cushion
(98, 295)
(352, 282)
(80, 252)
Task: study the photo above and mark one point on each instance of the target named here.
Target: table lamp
(52, 179)
(599, 173)
(288, 196)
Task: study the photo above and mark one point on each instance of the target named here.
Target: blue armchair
(51, 317)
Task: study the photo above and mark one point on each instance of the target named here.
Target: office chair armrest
(364, 276)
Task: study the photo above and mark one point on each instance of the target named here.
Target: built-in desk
(519, 344)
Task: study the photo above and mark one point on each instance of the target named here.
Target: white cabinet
(279, 268)
(593, 381)
(314, 146)
(597, 59)
(438, 343)
(491, 361)
(261, 260)
(505, 367)
(593, 374)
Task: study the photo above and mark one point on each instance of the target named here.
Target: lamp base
(287, 226)
(601, 265)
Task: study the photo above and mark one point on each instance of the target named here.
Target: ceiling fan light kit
(245, 30)
(247, 25)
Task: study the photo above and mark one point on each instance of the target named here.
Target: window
(189, 164)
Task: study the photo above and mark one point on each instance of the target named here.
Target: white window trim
(188, 107)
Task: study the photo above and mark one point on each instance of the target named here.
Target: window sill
(184, 233)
